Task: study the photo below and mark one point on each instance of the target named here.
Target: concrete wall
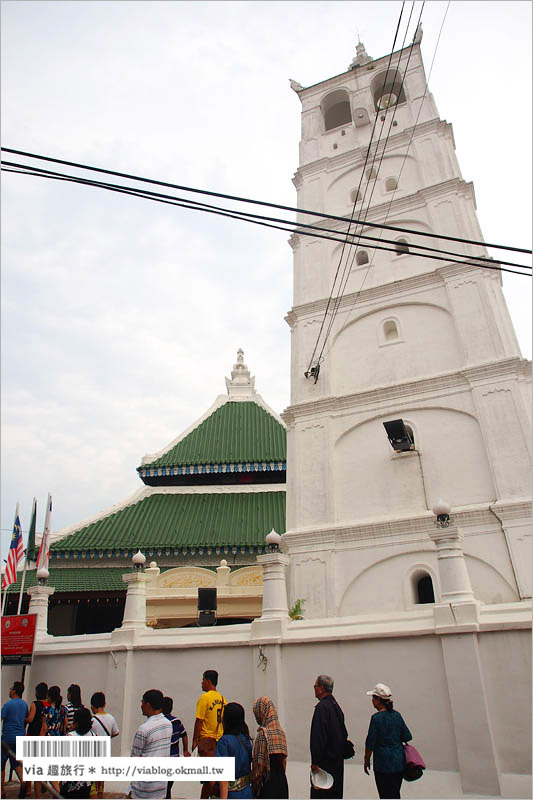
(462, 689)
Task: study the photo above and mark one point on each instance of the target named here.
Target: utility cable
(348, 265)
(315, 370)
(260, 202)
(247, 217)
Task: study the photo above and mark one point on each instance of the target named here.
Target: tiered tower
(427, 344)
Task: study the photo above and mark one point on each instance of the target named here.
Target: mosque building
(210, 496)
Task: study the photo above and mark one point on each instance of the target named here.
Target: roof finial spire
(361, 56)
(241, 386)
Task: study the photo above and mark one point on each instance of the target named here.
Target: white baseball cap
(381, 690)
(321, 779)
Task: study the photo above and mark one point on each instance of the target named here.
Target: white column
(223, 574)
(454, 579)
(39, 595)
(135, 608)
(274, 585)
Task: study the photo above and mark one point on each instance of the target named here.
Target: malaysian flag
(44, 550)
(16, 551)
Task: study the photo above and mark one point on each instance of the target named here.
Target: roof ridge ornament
(361, 56)
(241, 386)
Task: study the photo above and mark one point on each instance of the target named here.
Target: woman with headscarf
(269, 758)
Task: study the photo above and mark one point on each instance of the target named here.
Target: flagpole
(7, 587)
(32, 523)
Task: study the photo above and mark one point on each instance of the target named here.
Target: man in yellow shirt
(208, 723)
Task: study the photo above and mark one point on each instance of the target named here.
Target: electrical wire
(374, 176)
(254, 218)
(319, 214)
(350, 310)
(314, 370)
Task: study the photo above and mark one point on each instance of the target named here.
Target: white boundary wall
(464, 688)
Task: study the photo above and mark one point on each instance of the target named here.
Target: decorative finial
(361, 56)
(241, 385)
(295, 86)
(417, 38)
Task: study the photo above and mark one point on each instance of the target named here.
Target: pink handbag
(414, 763)
(412, 756)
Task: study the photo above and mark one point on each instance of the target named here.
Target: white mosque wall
(460, 687)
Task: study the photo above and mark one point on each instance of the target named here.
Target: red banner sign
(18, 635)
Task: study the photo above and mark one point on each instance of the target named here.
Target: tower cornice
(357, 155)
(378, 397)
(385, 291)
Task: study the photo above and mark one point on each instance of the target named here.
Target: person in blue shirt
(386, 734)
(235, 742)
(14, 713)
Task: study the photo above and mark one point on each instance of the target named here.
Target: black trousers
(388, 784)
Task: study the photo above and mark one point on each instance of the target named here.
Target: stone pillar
(269, 628)
(274, 585)
(39, 595)
(223, 573)
(454, 579)
(135, 608)
(472, 724)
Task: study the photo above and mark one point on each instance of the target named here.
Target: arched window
(371, 174)
(355, 196)
(336, 109)
(361, 258)
(424, 589)
(391, 184)
(390, 330)
(401, 247)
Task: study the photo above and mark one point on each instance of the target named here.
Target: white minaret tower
(425, 344)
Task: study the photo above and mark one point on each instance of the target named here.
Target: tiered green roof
(179, 523)
(236, 433)
(78, 579)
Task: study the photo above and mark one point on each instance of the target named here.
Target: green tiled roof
(78, 579)
(169, 521)
(237, 432)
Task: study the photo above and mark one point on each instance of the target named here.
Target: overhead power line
(295, 227)
(370, 184)
(236, 198)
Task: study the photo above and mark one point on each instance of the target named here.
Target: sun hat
(381, 690)
(321, 779)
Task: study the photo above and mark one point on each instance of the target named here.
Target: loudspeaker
(207, 599)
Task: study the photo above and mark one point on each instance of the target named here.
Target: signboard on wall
(18, 636)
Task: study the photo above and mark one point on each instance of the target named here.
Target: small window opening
(424, 590)
(371, 174)
(401, 247)
(391, 184)
(361, 258)
(390, 330)
(355, 196)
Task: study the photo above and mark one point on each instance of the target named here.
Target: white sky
(121, 317)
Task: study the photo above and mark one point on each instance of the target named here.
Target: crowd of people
(220, 729)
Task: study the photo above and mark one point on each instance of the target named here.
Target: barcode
(65, 747)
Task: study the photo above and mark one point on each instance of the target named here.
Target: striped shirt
(152, 740)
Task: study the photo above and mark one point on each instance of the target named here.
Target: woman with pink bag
(386, 734)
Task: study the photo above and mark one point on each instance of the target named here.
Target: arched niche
(336, 109)
(385, 585)
(371, 482)
(360, 362)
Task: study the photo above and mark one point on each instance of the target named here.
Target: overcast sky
(121, 317)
